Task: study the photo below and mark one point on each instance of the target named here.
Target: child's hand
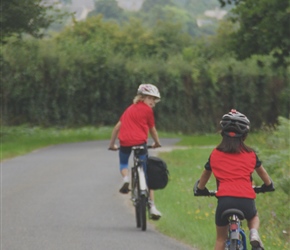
(268, 188)
(156, 145)
(114, 147)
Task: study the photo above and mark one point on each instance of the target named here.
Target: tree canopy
(25, 16)
(109, 9)
(263, 28)
(88, 73)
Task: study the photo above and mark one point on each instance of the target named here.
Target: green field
(185, 217)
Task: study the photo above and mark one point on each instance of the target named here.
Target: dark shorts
(124, 155)
(127, 150)
(247, 206)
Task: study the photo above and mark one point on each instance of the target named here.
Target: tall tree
(263, 28)
(109, 9)
(25, 16)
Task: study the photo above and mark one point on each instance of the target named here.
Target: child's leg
(124, 156)
(155, 214)
(125, 174)
(221, 236)
(151, 195)
(253, 225)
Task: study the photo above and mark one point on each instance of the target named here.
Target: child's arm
(114, 136)
(204, 179)
(154, 135)
(199, 188)
(261, 171)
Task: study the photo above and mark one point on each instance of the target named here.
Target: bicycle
(139, 189)
(236, 239)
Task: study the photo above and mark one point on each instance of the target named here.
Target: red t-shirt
(233, 173)
(135, 124)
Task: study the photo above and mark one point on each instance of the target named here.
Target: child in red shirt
(232, 163)
(132, 130)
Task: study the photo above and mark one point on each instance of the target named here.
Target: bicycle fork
(234, 228)
(139, 186)
(142, 181)
(236, 233)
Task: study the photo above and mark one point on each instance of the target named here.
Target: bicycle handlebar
(148, 147)
(257, 189)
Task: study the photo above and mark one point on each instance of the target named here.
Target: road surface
(65, 197)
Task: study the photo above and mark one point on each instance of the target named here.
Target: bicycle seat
(138, 147)
(232, 211)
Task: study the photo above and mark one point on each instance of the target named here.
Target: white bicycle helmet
(148, 89)
(235, 121)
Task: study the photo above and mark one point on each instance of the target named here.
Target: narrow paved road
(66, 197)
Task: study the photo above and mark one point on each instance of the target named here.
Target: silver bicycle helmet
(148, 89)
(236, 122)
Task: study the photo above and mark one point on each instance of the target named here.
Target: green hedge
(89, 73)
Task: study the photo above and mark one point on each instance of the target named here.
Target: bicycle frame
(236, 235)
(142, 180)
(140, 190)
(141, 174)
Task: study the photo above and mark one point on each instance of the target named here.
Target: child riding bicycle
(132, 130)
(232, 163)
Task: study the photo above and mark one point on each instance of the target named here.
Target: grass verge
(20, 140)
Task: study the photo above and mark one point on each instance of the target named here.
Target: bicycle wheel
(136, 197)
(142, 211)
(234, 244)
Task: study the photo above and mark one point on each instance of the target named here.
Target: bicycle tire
(142, 211)
(136, 196)
(234, 244)
(137, 214)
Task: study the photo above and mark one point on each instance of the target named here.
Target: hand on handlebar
(269, 188)
(200, 192)
(114, 147)
(156, 145)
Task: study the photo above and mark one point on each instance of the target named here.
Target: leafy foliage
(29, 16)
(263, 28)
(89, 73)
(109, 9)
(184, 13)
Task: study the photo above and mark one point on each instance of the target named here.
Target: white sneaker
(255, 240)
(154, 213)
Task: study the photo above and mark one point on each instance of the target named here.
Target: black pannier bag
(157, 173)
